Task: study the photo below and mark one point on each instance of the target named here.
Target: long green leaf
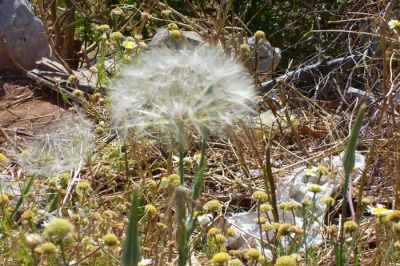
(131, 251)
(198, 181)
(348, 165)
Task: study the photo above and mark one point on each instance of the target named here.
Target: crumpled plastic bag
(294, 187)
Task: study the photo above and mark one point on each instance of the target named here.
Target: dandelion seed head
(58, 152)
(167, 89)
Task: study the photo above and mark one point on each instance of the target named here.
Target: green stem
(348, 165)
(63, 259)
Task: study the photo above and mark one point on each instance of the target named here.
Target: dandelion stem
(181, 150)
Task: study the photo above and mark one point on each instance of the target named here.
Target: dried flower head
(213, 206)
(175, 34)
(47, 248)
(151, 209)
(83, 187)
(350, 227)
(314, 188)
(245, 48)
(393, 216)
(110, 240)
(58, 229)
(322, 170)
(327, 200)
(235, 262)
(172, 26)
(58, 152)
(220, 239)
(396, 228)
(3, 159)
(284, 229)
(167, 90)
(116, 36)
(306, 202)
(220, 258)
(259, 35)
(166, 13)
(266, 207)
(252, 254)
(4, 199)
(259, 196)
(230, 232)
(103, 28)
(285, 261)
(213, 231)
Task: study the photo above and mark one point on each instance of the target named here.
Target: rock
(268, 56)
(190, 39)
(26, 38)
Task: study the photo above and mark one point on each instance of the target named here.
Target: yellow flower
(235, 262)
(311, 172)
(220, 239)
(110, 240)
(47, 248)
(314, 188)
(327, 200)
(394, 24)
(151, 209)
(129, 45)
(116, 36)
(379, 211)
(230, 232)
(174, 179)
(4, 199)
(58, 228)
(3, 158)
(213, 231)
(259, 35)
(322, 170)
(252, 254)
(350, 227)
(175, 34)
(285, 261)
(220, 258)
(172, 26)
(266, 207)
(213, 206)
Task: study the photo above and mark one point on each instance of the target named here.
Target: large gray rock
(25, 34)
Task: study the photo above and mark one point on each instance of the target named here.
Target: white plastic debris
(294, 187)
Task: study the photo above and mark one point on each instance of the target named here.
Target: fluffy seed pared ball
(166, 90)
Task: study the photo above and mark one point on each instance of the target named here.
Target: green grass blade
(348, 165)
(198, 181)
(131, 250)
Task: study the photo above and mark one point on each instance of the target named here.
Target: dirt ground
(26, 110)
